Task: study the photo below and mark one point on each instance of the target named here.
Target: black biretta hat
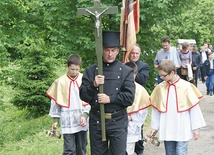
(111, 38)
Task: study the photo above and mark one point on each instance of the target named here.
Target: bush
(33, 78)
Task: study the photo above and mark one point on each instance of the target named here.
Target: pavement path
(205, 144)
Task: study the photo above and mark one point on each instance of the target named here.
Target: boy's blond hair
(167, 66)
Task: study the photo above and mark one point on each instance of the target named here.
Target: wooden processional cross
(97, 12)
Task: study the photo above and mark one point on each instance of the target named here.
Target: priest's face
(110, 54)
(73, 70)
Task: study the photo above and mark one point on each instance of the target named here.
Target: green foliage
(193, 21)
(33, 78)
(1, 102)
(196, 23)
(149, 58)
(4, 55)
(5, 96)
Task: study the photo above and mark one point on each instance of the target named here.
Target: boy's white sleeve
(139, 117)
(86, 108)
(155, 119)
(55, 110)
(197, 118)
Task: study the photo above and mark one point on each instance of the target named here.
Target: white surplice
(174, 125)
(70, 117)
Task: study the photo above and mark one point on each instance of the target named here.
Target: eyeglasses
(163, 76)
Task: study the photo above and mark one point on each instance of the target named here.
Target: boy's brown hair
(133, 66)
(185, 45)
(74, 59)
(167, 66)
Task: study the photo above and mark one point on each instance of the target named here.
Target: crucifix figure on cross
(97, 11)
(97, 19)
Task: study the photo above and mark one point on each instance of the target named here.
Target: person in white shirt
(176, 114)
(137, 113)
(68, 109)
(208, 72)
(166, 52)
(204, 56)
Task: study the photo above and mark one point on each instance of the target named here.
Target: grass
(22, 135)
(39, 143)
